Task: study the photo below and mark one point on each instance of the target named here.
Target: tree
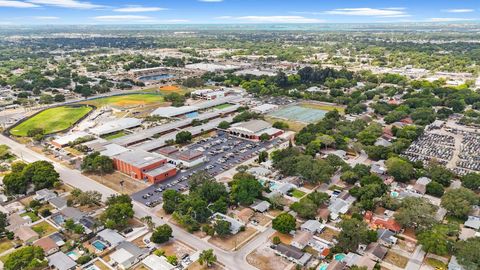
(224, 125)
(327, 140)
(350, 177)
(400, 169)
(118, 212)
(458, 202)
(276, 240)
(149, 222)
(97, 163)
(468, 253)
(89, 198)
(207, 257)
(280, 125)
(284, 223)
(264, 137)
(471, 181)
(161, 234)
(3, 222)
(245, 188)
(416, 213)
(262, 156)
(183, 137)
(26, 258)
(222, 227)
(354, 232)
(15, 183)
(440, 174)
(41, 174)
(435, 189)
(437, 239)
(171, 199)
(172, 259)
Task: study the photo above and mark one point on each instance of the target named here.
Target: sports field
(52, 120)
(126, 101)
(299, 113)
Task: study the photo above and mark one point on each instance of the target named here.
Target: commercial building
(144, 165)
(171, 111)
(62, 141)
(188, 158)
(265, 108)
(116, 125)
(253, 129)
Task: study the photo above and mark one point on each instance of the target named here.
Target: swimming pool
(156, 77)
(323, 266)
(58, 219)
(394, 194)
(99, 245)
(72, 254)
(92, 267)
(339, 257)
(273, 185)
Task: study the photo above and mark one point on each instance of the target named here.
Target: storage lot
(223, 152)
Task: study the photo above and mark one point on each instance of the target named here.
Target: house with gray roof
(61, 261)
(312, 225)
(293, 254)
(110, 236)
(261, 206)
(235, 225)
(127, 254)
(472, 222)
(58, 202)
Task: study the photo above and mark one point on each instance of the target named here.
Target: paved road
(232, 260)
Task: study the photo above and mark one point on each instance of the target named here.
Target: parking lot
(223, 152)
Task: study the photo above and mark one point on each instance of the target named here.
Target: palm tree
(207, 257)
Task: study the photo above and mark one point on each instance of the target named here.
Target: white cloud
(449, 19)
(273, 19)
(16, 4)
(66, 4)
(135, 8)
(394, 12)
(122, 18)
(459, 10)
(46, 18)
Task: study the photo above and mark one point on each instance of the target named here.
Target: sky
(20, 12)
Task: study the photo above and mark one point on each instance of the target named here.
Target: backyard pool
(92, 267)
(323, 266)
(58, 219)
(339, 257)
(99, 245)
(394, 194)
(73, 255)
(273, 185)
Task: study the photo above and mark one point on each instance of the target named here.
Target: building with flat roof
(188, 158)
(61, 261)
(143, 165)
(116, 125)
(64, 140)
(253, 129)
(264, 108)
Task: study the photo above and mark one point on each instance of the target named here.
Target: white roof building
(66, 139)
(154, 262)
(264, 108)
(116, 125)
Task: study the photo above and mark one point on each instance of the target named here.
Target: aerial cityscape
(239, 135)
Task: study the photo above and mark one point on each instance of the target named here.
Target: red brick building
(144, 165)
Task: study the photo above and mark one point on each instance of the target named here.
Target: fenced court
(299, 113)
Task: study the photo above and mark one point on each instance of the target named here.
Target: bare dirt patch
(264, 258)
(396, 259)
(234, 241)
(328, 234)
(196, 266)
(113, 181)
(176, 248)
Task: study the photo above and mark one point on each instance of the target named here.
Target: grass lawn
(52, 120)
(114, 135)
(324, 107)
(126, 101)
(223, 106)
(43, 228)
(5, 245)
(298, 193)
(32, 216)
(435, 263)
(396, 259)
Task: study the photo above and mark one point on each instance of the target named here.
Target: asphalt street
(232, 260)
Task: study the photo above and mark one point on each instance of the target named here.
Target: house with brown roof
(47, 244)
(245, 214)
(25, 234)
(15, 221)
(301, 239)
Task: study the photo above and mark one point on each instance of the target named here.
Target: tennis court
(299, 113)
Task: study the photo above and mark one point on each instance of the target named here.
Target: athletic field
(51, 120)
(300, 114)
(127, 101)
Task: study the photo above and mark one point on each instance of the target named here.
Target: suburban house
(44, 195)
(127, 254)
(421, 185)
(386, 237)
(292, 254)
(61, 261)
(25, 234)
(235, 225)
(261, 207)
(111, 237)
(154, 262)
(47, 244)
(301, 239)
(313, 226)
